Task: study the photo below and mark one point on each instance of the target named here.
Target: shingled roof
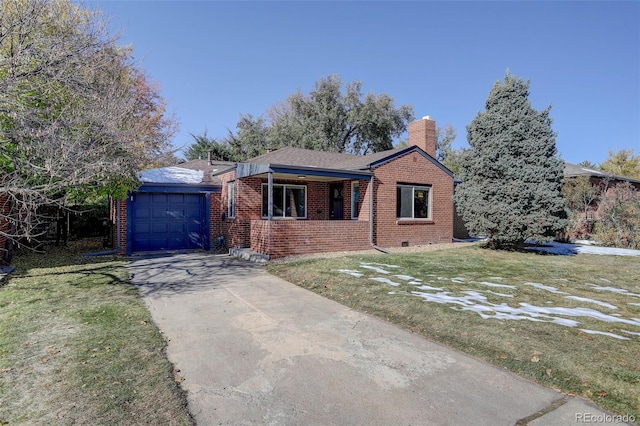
(574, 170)
(291, 156)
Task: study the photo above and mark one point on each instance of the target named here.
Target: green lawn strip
(78, 346)
(600, 368)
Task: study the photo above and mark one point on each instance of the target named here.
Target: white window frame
(354, 202)
(231, 199)
(426, 188)
(284, 186)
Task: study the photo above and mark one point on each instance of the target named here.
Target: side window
(413, 202)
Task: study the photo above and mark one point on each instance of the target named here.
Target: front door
(336, 201)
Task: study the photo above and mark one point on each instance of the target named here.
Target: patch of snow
(488, 284)
(496, 278)
(416, 282)
(385, 281)
(546, 287)
(586, 299)
(406, 277)
(577, 312)
(634, 304)
(381, 264)
(171, 175)
(428, 287)
(374, 268)
(457, 280)
(500, 294)
(613, 290)
(353, 273)
(605, 280)
(572, 249)
(630, 332)
(604, 333)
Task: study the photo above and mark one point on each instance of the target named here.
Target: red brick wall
(238, 231)
(422, 133)
(290, 237)
(113, 217)
(389, 231)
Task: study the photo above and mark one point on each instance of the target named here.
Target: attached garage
(175, 208)
(168, 221)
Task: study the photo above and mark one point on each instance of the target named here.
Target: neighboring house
(597, 177)
(296, 201)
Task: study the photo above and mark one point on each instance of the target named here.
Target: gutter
(115, 250)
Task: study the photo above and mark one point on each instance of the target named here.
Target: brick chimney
(422, 133)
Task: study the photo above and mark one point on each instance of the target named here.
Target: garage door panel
(168, 221)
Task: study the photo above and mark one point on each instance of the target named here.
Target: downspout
(371, 193)
(115, 250)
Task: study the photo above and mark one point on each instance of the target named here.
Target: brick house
(297, 201)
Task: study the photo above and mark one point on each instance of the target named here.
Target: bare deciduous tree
(77, 116)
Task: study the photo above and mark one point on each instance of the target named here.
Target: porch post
(270, 200)
(270, 213)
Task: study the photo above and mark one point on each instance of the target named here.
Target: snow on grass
(476, 301)
(613, 290)
(604, 333)
(500, 294)
(489, 284)
(375, 269)
(428, 287)
(351, 272)
(586, 299)
(546, 287)
(385, 281)
(573, 249)
(406, 277)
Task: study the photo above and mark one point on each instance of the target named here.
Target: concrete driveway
(257, 350)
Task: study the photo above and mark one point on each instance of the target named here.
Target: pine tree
(512, 174)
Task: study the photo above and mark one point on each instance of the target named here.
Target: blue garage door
(165, 221)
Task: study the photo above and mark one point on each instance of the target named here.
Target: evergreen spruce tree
(512, 175)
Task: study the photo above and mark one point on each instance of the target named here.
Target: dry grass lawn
(568, 322)
(78, 346)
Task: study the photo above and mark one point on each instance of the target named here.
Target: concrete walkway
(256, 350)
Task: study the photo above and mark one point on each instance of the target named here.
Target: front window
(355, 195)
(288, 201)
(413, 202)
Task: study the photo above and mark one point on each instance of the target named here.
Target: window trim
(284, 186)
(231, 199)
(357, 200)
(415, 187)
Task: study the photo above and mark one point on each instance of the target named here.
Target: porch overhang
(282, 171)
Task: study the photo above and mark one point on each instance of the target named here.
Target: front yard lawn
(568, 322)
(78, 346)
